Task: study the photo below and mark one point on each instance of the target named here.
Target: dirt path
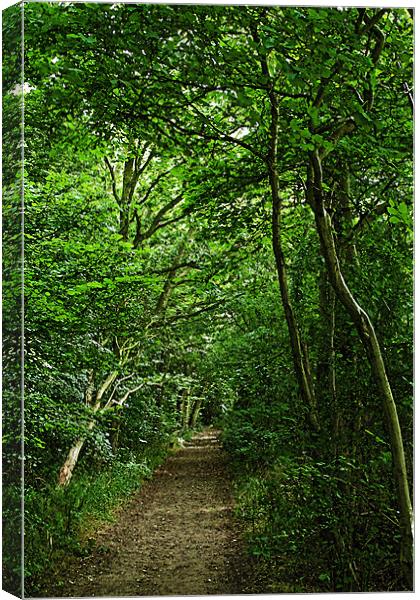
(177, 536)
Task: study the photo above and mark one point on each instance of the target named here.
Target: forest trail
(176, 536)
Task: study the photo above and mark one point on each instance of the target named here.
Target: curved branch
(114, 182)
(370, 23)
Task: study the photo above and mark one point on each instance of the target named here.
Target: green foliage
(151, 292)
(307, 518)
(12, 529)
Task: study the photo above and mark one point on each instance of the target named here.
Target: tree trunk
(67, 469)
(299, 349)
(325, 373)
(182, 408)
(195, 413)
(130, 179)
(368, 337)
(169, 285)
(186, 410)
(116, 426)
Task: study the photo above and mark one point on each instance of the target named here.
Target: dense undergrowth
(319, 507)
(303, 528)
(314, 521)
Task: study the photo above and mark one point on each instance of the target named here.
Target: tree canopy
(218, 228)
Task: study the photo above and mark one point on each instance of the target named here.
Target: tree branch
(105, 385)
(191, 265)
(121, 401)
(156, 223)
(114, 183)
(194, 313)
(140, 168)
(218, 138)
(325, 81)
(115, 388)
(156, 181)
(369, 23)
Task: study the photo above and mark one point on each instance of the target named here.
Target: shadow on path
(176, 536)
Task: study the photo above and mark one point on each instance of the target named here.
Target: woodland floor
(176, 536)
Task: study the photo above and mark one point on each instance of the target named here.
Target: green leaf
(269, 42)
(244, 100)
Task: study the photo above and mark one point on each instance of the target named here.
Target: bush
(256, 436)
(306, 515)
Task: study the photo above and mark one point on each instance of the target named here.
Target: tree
(174, 185)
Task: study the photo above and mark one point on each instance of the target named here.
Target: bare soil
(176, 536)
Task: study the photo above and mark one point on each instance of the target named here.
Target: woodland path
(176, 536)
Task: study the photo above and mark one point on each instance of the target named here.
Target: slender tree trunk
(299, 349)
(368, 337)
(129, 183)
(115, 435)
(169, 285)
(195, 413)
(326, 390)
(326, 372)
(182, 408)
(165, 294)
(186, 408)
